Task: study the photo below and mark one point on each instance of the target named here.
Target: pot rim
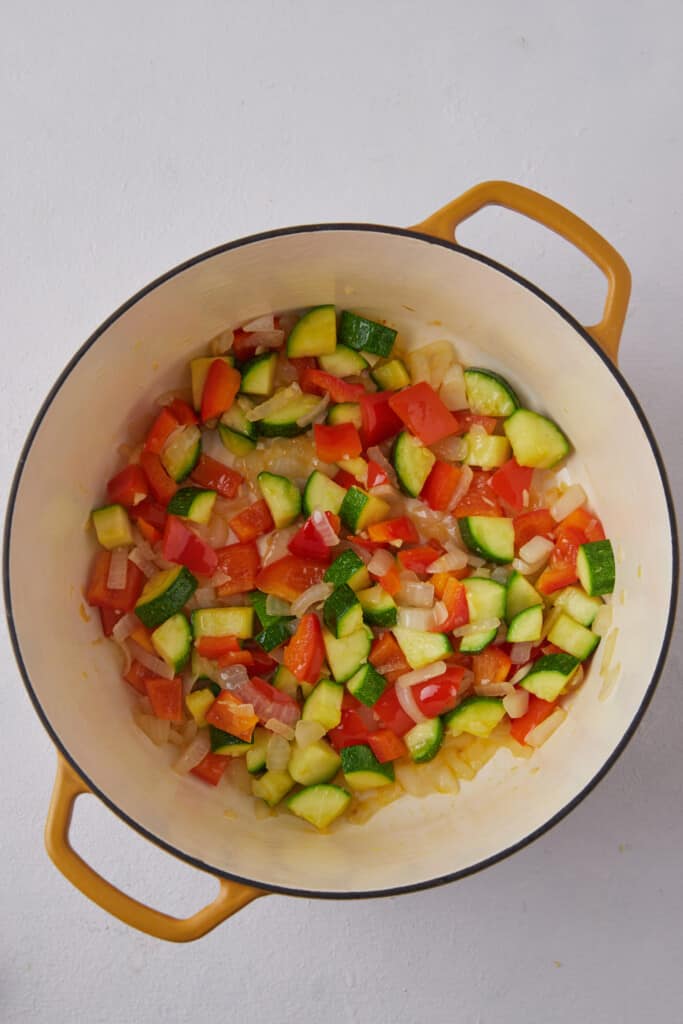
(569, 319)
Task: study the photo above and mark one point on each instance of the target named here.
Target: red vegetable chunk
(423, 412)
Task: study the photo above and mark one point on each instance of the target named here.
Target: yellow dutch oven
(431, 288)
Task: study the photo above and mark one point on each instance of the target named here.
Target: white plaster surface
(134, 135)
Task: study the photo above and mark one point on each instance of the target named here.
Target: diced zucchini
(282, 498)
(237, 622)
(258, 375)
(473, 643)
(225, 743)
(172, 641)
(322, 493)
(348, 568)
(112, 526)
(424, 740)
(319, 805)
(413, 463)
(164, 594)
(343, 362)
(256, 755)
(345, 412)
(258, 601)
(549, 675)
(237, 433)
(345, 656)
(237, 443)
(198, 703)
(485, 600)
(324, 704)
(477, 716)
(317, 762)
(182, 452)
(421, 648)
(520, 595)
(272, 786)
(363, 771)
(572, 637)
(490, 537)
(315, 334)
(526, 626)
(366, 685)
(489, 394)
(366, 335)
(275, 635)
(577, 603)
(595, 567)
(306, 689)
(391, 376)
(285, 681)
(342, 612)
(536, 441)
(199, 369)
(356, 467)
(489, 451)
(192, 503)
(379, 608)
(359, 509)
(284, 421)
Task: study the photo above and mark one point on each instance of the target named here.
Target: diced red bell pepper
(551, 649)
(261, 663)
(182, 546)
(183, 412)
(389, 530)
(160, 431)
(220, 388)
(318, 382)
(241, 562)
(556, 578)
(586, 522)
(480, 499)
(441, 485)
(391, 581)
(237, 658)
(150, 518)
(379, 420)
(537, 712)
(454, 596)
(376, 475)
(352, 729)
(307, 543)
(340, 441)
(345, 479)
(440, 694)
(231, 715)
(211, 768)
(166, 697)
(161, 485)
(290, 576)
(492, 665)
(217, 477)
(129, 487)
(512, 483)
(108, 618)
(419, 559)
(253, 521)
(467, 420)
(303, 363)
(143, 636)
(386, 745)
(269, 702)
(244, 345)
(387, 657)
(98, 594)
(423, 412)
(390, 713)
(137, 676)
(213, 647)
(536, 523)
(305, 652)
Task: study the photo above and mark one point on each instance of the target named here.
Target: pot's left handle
(232, 896)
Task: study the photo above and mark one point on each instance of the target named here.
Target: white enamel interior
(492, 320)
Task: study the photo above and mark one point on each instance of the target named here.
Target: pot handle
(232, 896)
(557, 218)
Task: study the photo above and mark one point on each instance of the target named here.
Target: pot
(431, 288)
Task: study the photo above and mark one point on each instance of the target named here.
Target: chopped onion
(574, 497)
(124, 647)
(232, 677)
(452, 391)
(283, 730)
(408, 576)
(381, 562)
(267, 339)
(218, 579)
(144, 564)
(516, 703)
(150, 661)
(314, 413)
(222, 342)
(377, 455)
(536, 551)
(440, 613)
(488, 689)
(278, 401)
(477, 627)
(277, 545)
(450, 449)
(416, 618)
(124, 627)
(278, 753)
(521, 567)
(276, 606)
(362, 552)
(519, 653)
(324, 528)
(409, 705)
(544, 731)
(205, 597)
(451, 561)
(157, 729)
(384, 491)
(315, 594)
(601, 623)
(194, 753)
(500, 574)
(475, 561)
(419, 595)
(308, 732)
(421, 675)
(118, 569)
(260, 323)
(464, 484)
(215, 532)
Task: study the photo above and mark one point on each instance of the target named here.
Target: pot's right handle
(545, 211)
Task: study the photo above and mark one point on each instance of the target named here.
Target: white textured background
(135, 134)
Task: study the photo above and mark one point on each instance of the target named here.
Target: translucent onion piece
(544, 731)
(487, 689)
(601, 623)
(279, 400)
(268, 339)
(440, 613)
(260, 323)
(521, 673)
(464, 484)
(536, 551)
(194, 753)
(381, 562)
(124, 627)
(315, 594)
(124, 647)
(520, 653)
(276, 545)
(276, 606)
(222, 342)
(118, 569)
(232, 677)
(477, 627)
(281, 729)
(500, 574)
(574, 497)
(157, 729)
(452, 561)
(407, 702)
(421, 675)
(205, 597)
(450, 449)
(308, 732)
(150, 661)
(516, 703)
(452, 391)
(362, 552)
(278, 753)
(144, 563)
(419, 595)
(314, 413)
(417, 618)
(377, 455)
(322, 525)
(475, 561)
